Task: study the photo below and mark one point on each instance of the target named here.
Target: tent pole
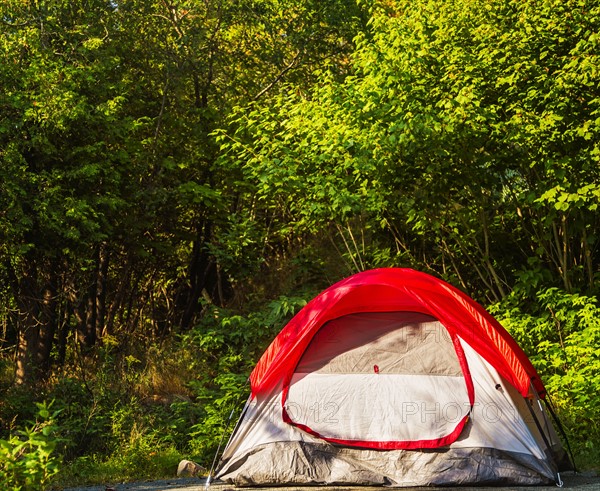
(550, 406)
(529, 404)
(214, 462)
(212, 467)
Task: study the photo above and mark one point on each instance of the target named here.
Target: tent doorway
(381, 380)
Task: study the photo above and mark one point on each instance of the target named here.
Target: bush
(560, 332)
(27, 458)
(226, 347)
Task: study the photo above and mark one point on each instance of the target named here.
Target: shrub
(27, 457)
(226, 347)
(560, 332)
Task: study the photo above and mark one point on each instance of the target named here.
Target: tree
(110, 198)
(62, 168)
(464, 140)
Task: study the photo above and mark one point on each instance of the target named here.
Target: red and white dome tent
(393, 377)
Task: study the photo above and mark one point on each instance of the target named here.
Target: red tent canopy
(392, 290)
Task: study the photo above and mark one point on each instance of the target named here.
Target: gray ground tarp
(281, 463)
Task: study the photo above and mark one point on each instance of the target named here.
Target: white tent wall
(500, 418)
(500, 443)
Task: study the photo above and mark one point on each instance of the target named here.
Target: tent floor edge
(308, 463)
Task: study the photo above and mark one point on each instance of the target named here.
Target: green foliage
(134, 415)
(135, 439)
(28, 458)
(561, 336)
(116, 419)
(109, 194)
(226, 346)
(560, 332)
(141, 444)
(138, 463)
(456, 141)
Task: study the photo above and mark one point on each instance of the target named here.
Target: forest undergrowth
(123, 414)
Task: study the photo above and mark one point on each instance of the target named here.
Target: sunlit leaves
(462, 123)
(561, 335)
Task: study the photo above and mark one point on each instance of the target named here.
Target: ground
(578, 482)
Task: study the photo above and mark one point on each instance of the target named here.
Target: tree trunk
(101, 286)
(203, 279)
(94, 313)
(28, 330)
(48, 327)
(36, 324)
(198, 272)
(63, 333)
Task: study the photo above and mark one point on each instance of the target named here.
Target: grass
(133, 466)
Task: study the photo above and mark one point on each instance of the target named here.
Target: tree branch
(279, 76)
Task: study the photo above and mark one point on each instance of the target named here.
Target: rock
(188, 468)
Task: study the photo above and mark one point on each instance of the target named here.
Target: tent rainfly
(393, 377)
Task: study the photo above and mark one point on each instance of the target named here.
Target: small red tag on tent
(375, 368)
